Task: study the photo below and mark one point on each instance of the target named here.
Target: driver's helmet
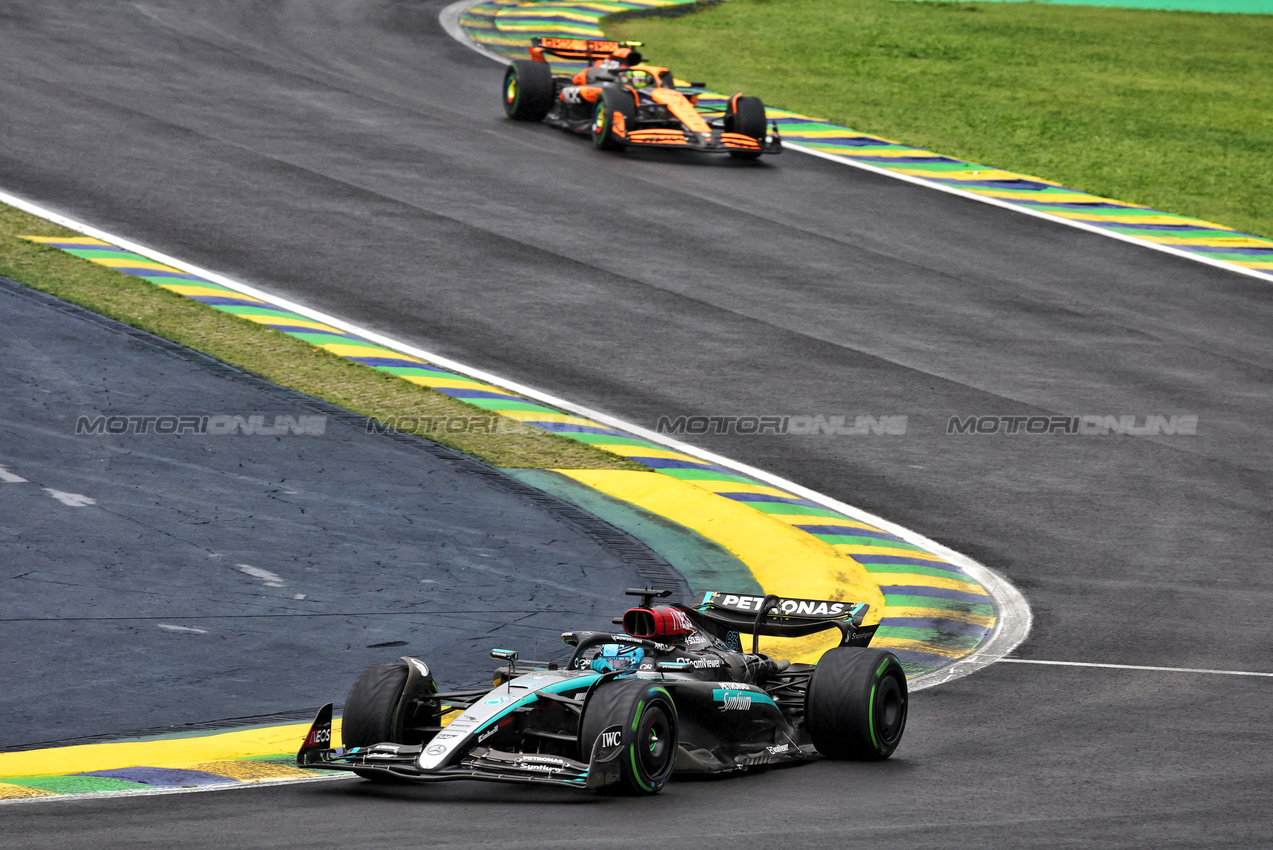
(617, 656)
(639, 78)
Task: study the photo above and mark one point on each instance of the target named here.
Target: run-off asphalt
(216, 576)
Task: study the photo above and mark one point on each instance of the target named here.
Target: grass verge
(1172, 110)
(274, 355)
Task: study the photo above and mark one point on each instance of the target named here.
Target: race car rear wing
(775, 616)
(579, 49)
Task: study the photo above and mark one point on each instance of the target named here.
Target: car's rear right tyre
(528, 90)
(651, 733)
(855, 706)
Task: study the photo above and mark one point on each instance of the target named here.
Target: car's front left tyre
(376, 713)
(645, 713)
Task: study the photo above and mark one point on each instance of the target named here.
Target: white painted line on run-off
(71, 500)
(157, 792)
(1137, 667)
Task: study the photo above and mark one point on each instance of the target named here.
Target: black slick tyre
(855, 707)
(613, 116)
(528, 90)
(647, 715)
(370, 709)
(746, 115)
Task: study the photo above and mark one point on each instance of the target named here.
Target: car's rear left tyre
(746, 115)
(613, 116)
(855, 706)
(528, 90)
(651, 733)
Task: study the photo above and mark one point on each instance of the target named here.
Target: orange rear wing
(580, 49)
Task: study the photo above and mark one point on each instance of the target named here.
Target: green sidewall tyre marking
(870, 715)
(636, 722)
(636, 774)
(879, 671)
(632, 751)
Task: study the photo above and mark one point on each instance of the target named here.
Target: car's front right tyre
(746, 115)
(613, 116)
(650, 740)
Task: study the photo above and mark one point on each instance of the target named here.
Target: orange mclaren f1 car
(619, 101)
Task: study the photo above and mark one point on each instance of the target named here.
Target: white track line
(156, 792)
(1137, 667)
(450, 20)
(1012, 624)
(1008, 205)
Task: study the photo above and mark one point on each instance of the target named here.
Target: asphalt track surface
(350, 156)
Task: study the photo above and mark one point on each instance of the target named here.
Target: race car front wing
(717, 141)
(403, 761)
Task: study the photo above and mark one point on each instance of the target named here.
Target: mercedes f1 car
(674, 692)
(618, 101)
